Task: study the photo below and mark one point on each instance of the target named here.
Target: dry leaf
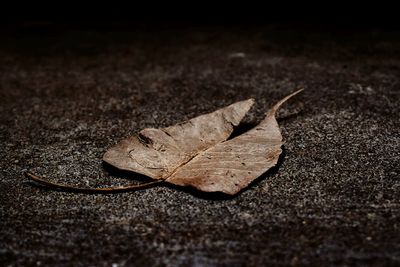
(197, 153)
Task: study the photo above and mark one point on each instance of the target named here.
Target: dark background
(75, 79)
(335, 14)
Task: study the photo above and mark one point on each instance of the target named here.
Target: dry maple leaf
(197, 153)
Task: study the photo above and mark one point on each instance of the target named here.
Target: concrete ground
(67, 94)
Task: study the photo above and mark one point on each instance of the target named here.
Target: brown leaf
(197, 154)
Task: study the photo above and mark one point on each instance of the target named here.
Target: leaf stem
(277, 105)
(113, 189)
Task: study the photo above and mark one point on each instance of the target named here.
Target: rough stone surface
(68, 95)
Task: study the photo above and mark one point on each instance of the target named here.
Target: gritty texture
(67, 95)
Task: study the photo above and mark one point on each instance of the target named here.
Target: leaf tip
(279, 104)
